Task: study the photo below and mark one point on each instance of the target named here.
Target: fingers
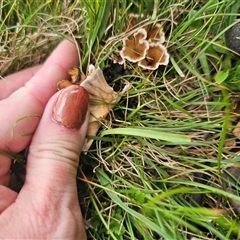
(8, 196)
(21, 112)
(50, 185)
(25, 106)
(54, 151)
(11, 83)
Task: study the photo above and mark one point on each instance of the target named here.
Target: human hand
(47, 206)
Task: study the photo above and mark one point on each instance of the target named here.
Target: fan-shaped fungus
(156, 33)
(135, 48)
(156, 55)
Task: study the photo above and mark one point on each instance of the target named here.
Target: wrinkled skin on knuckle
(58, 162)
(60, 151)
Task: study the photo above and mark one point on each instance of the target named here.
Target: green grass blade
(149, 133)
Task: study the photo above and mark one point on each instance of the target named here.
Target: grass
(139, 180)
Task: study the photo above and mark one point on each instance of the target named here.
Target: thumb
(56, 145)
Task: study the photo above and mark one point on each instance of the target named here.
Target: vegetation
(164, 164)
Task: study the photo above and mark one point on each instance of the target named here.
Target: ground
(165, 162)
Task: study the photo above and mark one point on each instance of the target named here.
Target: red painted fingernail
(71, 107)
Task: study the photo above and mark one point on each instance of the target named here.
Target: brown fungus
(132, 20)
(116, 56)
(155, 33)
(77, 76)
(135, 48)
(156, 55)
(63, 84)
(144, 47)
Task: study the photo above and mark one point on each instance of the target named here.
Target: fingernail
(71, 107)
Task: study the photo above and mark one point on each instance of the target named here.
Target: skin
(47, 206)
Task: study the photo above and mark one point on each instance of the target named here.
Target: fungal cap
(156, 55)
(135, 48)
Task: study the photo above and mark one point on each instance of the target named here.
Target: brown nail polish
(71, 107)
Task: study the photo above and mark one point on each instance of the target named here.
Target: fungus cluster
(145, 46)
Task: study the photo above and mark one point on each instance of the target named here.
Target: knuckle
(60, 151)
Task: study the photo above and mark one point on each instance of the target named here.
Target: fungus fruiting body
(156, 55)
(63, 84)
(135, 48)
(156, 34)
(144, 47)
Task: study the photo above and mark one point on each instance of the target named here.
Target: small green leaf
(221, 76)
